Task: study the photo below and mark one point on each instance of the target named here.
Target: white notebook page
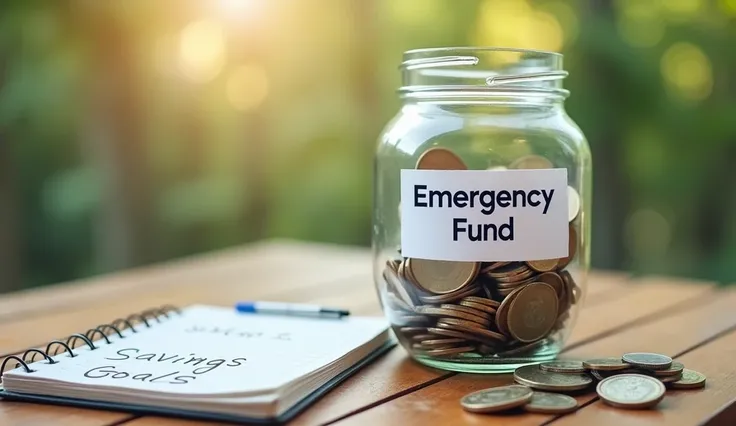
(211, 350)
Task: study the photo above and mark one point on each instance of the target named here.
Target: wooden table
(694, 322)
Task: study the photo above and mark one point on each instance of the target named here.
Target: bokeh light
(648, 234)
(247, 87)
(687, 72)
(515, 23)
(202, 50)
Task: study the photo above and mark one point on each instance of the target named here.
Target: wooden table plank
(21, 414)
(396, 374)
(233, 265)
(438, 403)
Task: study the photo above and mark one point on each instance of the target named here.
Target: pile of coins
(634, 381)
(484, 310)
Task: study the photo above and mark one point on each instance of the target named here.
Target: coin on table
(534, 377)
(573, 203)
(647, 360)
(563, 366)
(631, 391)
(533, 312)
(669, 379)
(551, 403)
(675, 369)
(440, 159)
(543, 265)
(496, 399)
(441, 277)
(531, 162)
(605, 364)
(690, 380)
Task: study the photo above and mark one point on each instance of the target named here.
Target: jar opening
(482, 71)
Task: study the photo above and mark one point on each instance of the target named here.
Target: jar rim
(480, 49)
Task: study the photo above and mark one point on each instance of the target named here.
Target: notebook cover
(201, 415)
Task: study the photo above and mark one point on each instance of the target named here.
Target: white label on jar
(484, 215)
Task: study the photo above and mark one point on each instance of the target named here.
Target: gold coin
(440, 159)
(563, 366)
(444, 313)
(441, 277)
(544, 265)
(468, 310)
(531, 162)
(572, 247)
(605, 364)
(573, 203)
(478, 306)
(551, 403)
(690, 380)
(675, 369)
(450, 351)
(496, 399)
(493, 266)
(634, 391)
(533, 312)
(647, 360)
(450, 297)
(552, 279)
(534, 377)
(490, 302)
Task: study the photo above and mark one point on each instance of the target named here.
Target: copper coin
(552, 279)
(545, 265)
(533, 312)
(522, 349)
(468, 310)
(606, 364)
(449, 351)
(464, 326)
(413, 330)
(478, 306)
(440, 159)
(490, 302)
(443, 313)
(502, 312)
(450, 297)
(442, 277)
(452, 341)
(446, 332)
(493, 266)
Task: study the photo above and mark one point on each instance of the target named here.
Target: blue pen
(289, 309)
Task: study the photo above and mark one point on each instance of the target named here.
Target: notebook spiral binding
(144, 318)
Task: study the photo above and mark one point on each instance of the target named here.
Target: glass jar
(481, 216)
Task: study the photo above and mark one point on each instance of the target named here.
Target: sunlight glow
(247, 87)
(515, 23)
(202, 50)
(687, 72)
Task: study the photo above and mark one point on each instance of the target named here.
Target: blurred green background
(136, 131)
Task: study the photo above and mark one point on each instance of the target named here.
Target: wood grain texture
(439, 403)
(22, 414)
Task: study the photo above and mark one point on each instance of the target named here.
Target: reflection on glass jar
(482, 209)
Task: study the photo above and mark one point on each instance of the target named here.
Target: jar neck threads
(467, 73)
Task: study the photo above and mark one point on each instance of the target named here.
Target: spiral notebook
(200, 362)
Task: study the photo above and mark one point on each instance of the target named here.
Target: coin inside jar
(440, 159)
(545, 265)
(440, 277)
(573, 203)
(533, 312)
(531, 162)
